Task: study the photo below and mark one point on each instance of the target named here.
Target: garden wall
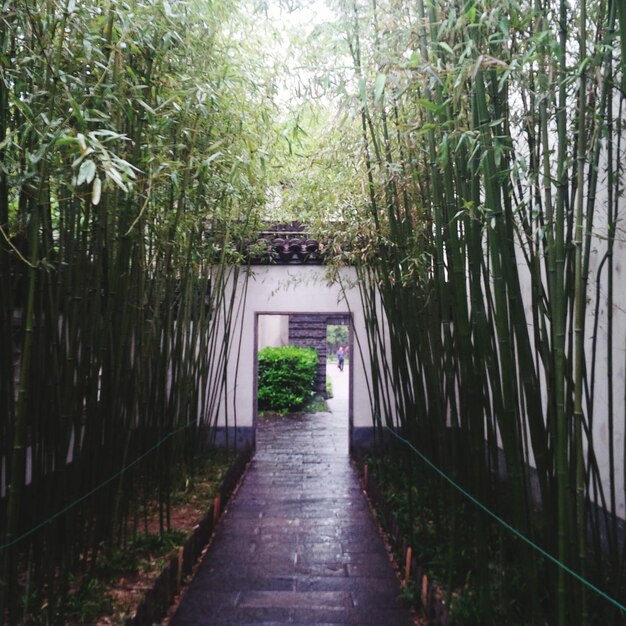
(291, 290)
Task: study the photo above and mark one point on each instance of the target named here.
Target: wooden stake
(179, 573)
(407, 566)
(365, 476)
(216, 510)
(424, 590)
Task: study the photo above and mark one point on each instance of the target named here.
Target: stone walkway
(298, 544)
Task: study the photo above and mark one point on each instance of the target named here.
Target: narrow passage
(298, 544)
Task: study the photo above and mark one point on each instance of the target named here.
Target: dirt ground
(187, 510)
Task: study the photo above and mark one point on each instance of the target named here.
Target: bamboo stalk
(579, 299)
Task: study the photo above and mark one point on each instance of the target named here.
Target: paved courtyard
(298, 544)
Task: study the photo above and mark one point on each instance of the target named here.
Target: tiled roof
(273, 249)
(286, 244)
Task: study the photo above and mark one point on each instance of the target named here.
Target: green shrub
(286, 378)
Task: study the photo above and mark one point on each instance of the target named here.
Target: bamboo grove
(487, 230)
(127, 143)
(491, 238)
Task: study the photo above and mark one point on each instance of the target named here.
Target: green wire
(468, 495)
(506, 525)
(94, 490)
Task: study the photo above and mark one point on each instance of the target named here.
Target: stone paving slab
(298, 544)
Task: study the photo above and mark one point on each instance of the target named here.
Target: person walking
(341, 355)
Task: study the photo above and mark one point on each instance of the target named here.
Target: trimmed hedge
(286, 378)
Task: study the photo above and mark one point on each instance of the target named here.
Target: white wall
(284, 289)
(607, 348)
(273, 331)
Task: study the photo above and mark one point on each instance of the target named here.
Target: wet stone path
(298, 544)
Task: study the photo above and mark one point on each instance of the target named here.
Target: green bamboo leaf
(96, 191)
(213, 147)
(621, 10)
(82, 143)
(429, 105)
(35, 157)
(446, 47)
(78, 160)
(363, 92)
(63, 140)
(167, 8)
(146, 106)
(379, 87)
(86, 173)
(106, 134)
(213, 157)
(24, 108)
(113, 175)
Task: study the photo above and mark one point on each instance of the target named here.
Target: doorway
(325, 332)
